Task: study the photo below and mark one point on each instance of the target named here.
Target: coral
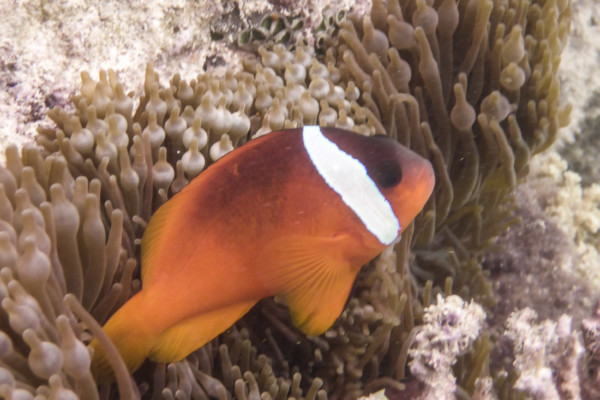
(580, 155)
(575, 209)
(380, 395)
(591, 339)
(579, 85)
(46, 43)
(546, 355)
(535, 263)
(288, 30)
(484, 389)
(471, 86)
(449, 328)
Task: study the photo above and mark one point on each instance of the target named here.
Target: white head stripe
(348, 177)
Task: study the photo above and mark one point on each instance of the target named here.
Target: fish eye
(388, 174)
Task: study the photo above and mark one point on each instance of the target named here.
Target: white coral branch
(449, 328)
(546, 355)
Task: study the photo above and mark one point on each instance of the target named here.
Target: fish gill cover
(470, 86)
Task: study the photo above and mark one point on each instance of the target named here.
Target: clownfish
(294, 213)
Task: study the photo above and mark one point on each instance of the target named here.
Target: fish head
(403, 177)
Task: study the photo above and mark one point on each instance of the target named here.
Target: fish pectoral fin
(178, 341)
(313, 276)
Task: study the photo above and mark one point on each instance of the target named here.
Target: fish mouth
(426, 180)
(417, 190)
(421, 181)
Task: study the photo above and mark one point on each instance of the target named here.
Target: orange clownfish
(294, 213)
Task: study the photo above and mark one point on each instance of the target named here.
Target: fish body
(294, 213)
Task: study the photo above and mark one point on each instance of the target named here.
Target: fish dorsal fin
(313, 276)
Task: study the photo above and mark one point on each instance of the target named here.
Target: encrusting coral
(471, 86)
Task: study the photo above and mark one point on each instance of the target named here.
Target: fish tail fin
(130, 338)
(135, 339)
